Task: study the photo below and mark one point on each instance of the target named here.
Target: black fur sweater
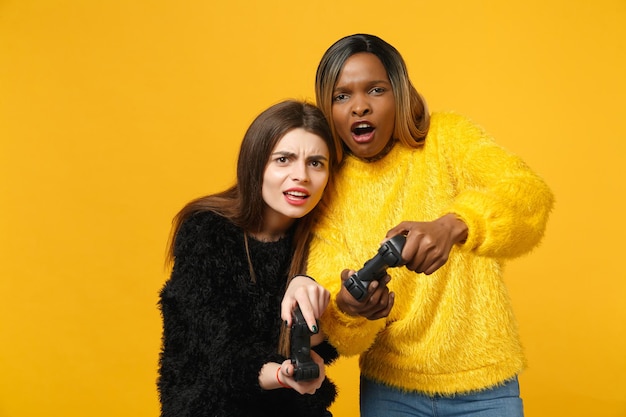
(219, 327)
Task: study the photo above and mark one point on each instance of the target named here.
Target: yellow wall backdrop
(115, 113)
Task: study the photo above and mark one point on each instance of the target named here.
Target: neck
(266, 236)
(380, 155)
(273, 227)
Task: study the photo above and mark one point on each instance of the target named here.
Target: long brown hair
(412, 118)
(243, 203)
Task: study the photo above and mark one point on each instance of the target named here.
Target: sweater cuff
(350, 335)
(475, 227)
(304, 275)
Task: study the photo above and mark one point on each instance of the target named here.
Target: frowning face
(363, 108)
(294, 178)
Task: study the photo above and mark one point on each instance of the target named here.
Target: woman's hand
(428, 244)
(376, 304)
(285, 375)
(310, 296)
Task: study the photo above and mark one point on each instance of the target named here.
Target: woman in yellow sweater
(437, 337)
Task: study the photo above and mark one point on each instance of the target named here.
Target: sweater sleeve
(502, 201)
(350, 335)
(210, 361)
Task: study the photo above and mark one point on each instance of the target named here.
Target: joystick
(389, 255)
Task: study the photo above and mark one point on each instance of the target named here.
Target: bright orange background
(115, 113)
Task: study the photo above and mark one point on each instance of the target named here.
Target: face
(363, 108)
(294, 178)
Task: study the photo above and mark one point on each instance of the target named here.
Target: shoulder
(454, 131)
(202, 228)
(205, 220)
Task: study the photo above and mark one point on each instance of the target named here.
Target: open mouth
(362, 132)
(362, 129)
(296, 195)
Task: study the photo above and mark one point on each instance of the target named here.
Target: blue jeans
(378, 400)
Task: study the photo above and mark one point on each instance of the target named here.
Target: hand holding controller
(389, 255)
(304, 367)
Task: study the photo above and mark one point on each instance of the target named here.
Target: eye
(340, 97)
(316, 164)
(377, 91)
(281, 160)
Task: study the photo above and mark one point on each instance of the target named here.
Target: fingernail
(314, 328)
(286, 323)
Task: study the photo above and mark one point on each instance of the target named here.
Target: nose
(300, 172)
(361, 106)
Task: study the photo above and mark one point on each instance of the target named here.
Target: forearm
(504, 204)
(203, 353)
(350, 335)
(269, 376)
(506, 220)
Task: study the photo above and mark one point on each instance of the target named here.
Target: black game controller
(304, 367)
(389, 255)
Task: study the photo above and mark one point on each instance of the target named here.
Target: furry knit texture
(219, 327)
(453, 331)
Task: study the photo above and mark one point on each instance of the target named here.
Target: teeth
(363, 125)
(296, 193)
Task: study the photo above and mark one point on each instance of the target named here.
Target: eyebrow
(340, 87)
(318, 157)
(291, 154)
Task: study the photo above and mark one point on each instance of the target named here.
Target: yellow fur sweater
(453, 331)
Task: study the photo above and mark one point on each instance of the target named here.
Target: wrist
(342, 306)
(347, 307)
(281, 383)
(304, 276)
(458, 228)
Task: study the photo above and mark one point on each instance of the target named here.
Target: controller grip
(304, 366)
(389, 255)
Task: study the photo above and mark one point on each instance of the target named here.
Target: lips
(362, 131)
(296, 196)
